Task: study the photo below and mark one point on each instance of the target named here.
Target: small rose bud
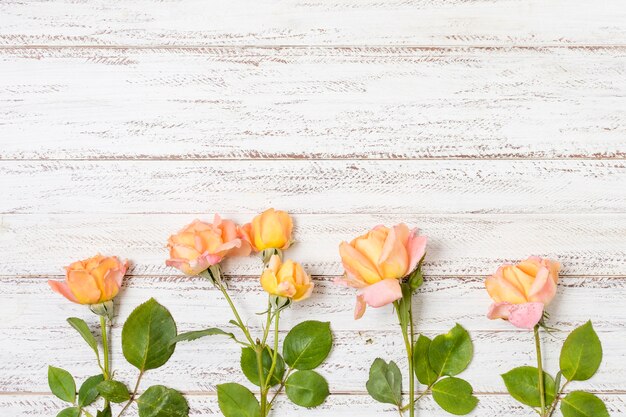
(287, 280)
(269, 230)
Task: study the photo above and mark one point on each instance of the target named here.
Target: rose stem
(542, 391)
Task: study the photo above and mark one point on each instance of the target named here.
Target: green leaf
(385, 382)
(454, 395)
(146, 336)
(557, 383)
(88, 391)
(581, 354)
(197, 334)
(523, 385)
(69, 412)
(307, 388)
(583, 404)
(237, 401)
(160, 401)
(83, 329)
(62, 384)
(104, 413)
(450, 353)
(423, 371)
(307, 344)
(114, 391)
(250, 366)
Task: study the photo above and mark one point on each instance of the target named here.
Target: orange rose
(520, 292)
(286, 279)
(376, 262)
(269, 230)
(200, 245)
(92, 281)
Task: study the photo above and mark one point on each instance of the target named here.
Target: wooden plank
(35, 319)
(445, 300)
(313, 102)
(352, 405)
(459, 244)
(419, 187)
(328, 22)
(200, 366)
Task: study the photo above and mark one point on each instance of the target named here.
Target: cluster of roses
(385, 266)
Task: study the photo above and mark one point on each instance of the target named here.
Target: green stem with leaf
(242, 326)
(132, 396)
(280, 388)
(275, 352)
(106, 372)
(259, 347)
(408, 343)
(266, 383)
(542, 390)
(412, 398)
(259, 361)
(552, 407)
(419, 397)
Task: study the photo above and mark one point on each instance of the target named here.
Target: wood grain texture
(373, 102)
(496, 126)
(328, 22)
(38, 330)
(419, 187)
(349, 405)
(578, 297)
(459, 244)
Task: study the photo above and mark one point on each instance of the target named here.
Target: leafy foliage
(69, 412)
(307, 344)
(423, 371)
(88, 391)
(250, 367)
(62, 384)
(83, 329)
(146, 336)
(160, 401)
(523, 385)
(197, 334)
(307, 388)
(114, 391)
(237, 401)
(385, 382)
(583, 404)
(450, 353)
(454, 395)
(581, 354)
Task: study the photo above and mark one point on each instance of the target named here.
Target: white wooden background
(496, 126)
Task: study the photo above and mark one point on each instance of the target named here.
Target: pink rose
(200, 245)
(376, 262)
(520, 292)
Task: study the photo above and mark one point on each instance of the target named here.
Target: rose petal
(357, 264)
(63, 289)
(359, 308)
(382, 293)
(543, 289)
(416, 249)
(349, 280)
(524, 316)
